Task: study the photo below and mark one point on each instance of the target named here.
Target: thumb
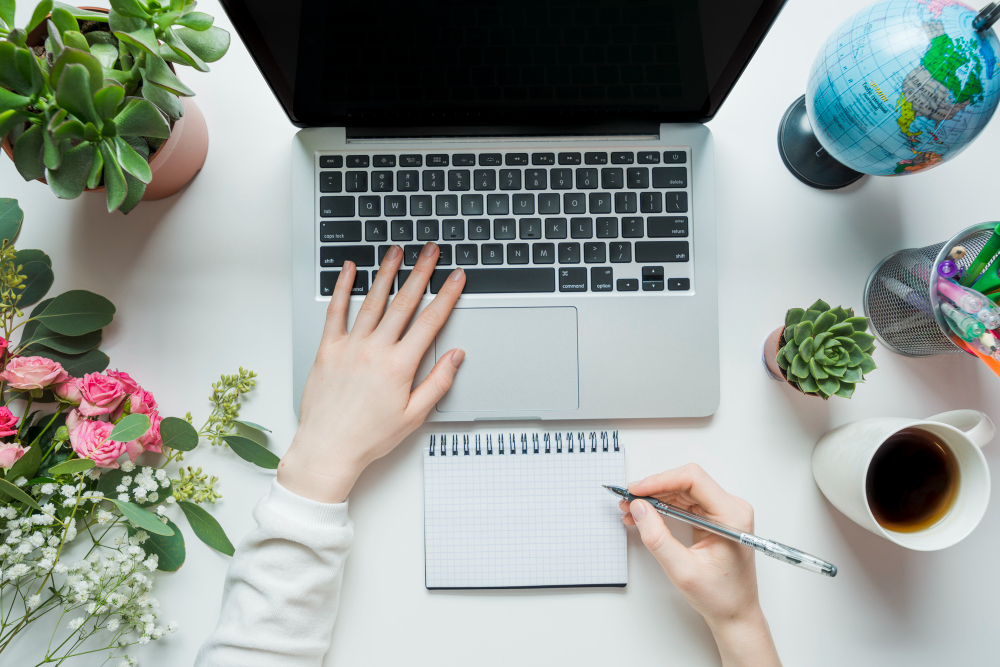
(657, 537)
(436, 384)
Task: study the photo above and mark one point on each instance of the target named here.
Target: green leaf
(836, 371)
(9, 100)
(842, 329)
(130, 428)
(164, 100)
(820, 305)
(130, 8)
(140, 118)
(793, 317)
(841, 314)
(811, 315)
(96, 171)
(70, 179)
(73, 93)
(73, 345)
(809, 385)
(800, 368)
(39, 279)
(183, 51)
(867, 365)
(196, 20)
(28, 153)
(75, 40)
(859, 323)
(114, 179)
(853, 374)
(17, 494)
(782, 362)
(846, 390)
(95, 73)
(10, 75)
(132, 162)
(141, 518)
(27, 465)
(854, 354)
(828, 386)
(51, 152)
(865, 341)
(102, 37)
(70, 130)
(7, 12)
(816, 370)
(248, 450)
(791, 349)
(824, 322)
(72, 467)
(803, 330)
(107, 54)
(144, 39)
(156, 71)
(249, 424)
(107, 100)
(83, 14)
(206, 528)
(42, 10)
(112, 479)
(821, 339)
(77, 312)
(178, 434)
(11, 217)
(136, 189)
(209, 45)
(64, 21)
(169, 549)
(807, 348)
(10, 120)
(41, 480)
(77, 365)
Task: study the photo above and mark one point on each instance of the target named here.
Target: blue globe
(903, 85)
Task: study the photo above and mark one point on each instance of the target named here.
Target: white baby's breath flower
(161, 475)
(172, 626)
(151, 562)
(113, 625)
(153, 497)
(36, 539)
(128, 466)
(48, 488)
(67, 490)
(69, 502)
(171, 500)
(76, 623)
(126, 480)
(104, 516)
(161, 510)
(123, 497)
(121, 488)
(20, 481)
(32, 602)
(60, 568)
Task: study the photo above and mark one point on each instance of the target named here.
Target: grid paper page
(525, 519)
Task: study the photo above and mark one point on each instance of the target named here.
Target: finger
(432, 318)
(435, 386)
(670, 553)
(692, 481)
(373, 308)
(336, 312)
(401, 310)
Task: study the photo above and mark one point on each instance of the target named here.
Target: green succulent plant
(91, 105)
(825, 351)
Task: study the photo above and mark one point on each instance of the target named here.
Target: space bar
(500, 281)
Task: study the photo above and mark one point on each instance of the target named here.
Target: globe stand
(805, 157)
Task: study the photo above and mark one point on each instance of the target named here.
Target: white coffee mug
(842, 457)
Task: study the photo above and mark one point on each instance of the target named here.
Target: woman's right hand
(717, 576)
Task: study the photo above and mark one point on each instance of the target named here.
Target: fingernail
(394, 252)
(348, 264)
(631, 484)
(428, 249)
(457, 357)
(457, 274)
(638, 509)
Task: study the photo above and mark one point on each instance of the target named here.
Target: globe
(902, 86)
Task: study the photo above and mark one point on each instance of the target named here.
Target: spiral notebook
(523, 510)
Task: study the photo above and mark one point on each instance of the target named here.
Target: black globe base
(805, 157)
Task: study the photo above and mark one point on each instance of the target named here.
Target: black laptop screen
(502, 62)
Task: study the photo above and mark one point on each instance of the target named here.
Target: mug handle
(976, 425)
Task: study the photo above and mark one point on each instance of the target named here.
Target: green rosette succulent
(826, 351)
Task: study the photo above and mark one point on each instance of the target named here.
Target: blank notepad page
(517, 510)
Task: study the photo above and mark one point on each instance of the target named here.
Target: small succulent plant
(91, 105)
(826, 351)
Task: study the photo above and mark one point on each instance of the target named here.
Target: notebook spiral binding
(513, 444)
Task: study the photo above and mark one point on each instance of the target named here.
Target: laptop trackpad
(517, 360)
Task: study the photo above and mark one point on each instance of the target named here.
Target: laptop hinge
(625, 129)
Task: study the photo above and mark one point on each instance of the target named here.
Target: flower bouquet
(90, 478)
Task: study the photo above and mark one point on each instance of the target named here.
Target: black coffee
(912, 481)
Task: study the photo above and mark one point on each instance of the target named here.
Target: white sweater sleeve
(283, 587)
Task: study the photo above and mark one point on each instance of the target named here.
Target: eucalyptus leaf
(73, 345)
(207, 528)
(131, 427)
(168, 549)
(141, 518)
(251, 451)
(250, 424)
(38, 280)
(77, 312)
(178, 434)
(11, 217)
(72, 467)
(27, 465)
(17, 494)
(77, 365)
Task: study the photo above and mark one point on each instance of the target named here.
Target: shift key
(661, 251)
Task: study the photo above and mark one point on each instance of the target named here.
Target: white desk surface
(202, 282)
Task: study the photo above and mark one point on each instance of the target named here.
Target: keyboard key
(677, 202)
(517, 253)
(376, 230)
(548, 203)
(649, 157)
(357, 160)
(602, 279)
(555, 228)
(381, 181)
(339, 232)
(420, 205)
(437, 160)
(628, 285)
(523, 204)
(500, 281)
(621, 252)
(459, 180)
(370, 207)
(382, 251)
(595, 252)
(607, 228)
(466, 254)
(384, 161)
(626, 202)
(632, 228)
(433, 180)
(463, 160)
(543, 158)
(427, 230)
(485, 179)
(612, 178)
(659, 226)
(444, 255)
(479, 230)
(638, 177)
(445, 205)
(574, 203)
(333, 255)
(679, 284)
(331, 181)
(595, 158)
(510, 179)
(652, 285)
(586, 179)
(497, 205)
(534, 179)
(530, 228)
(504, 229)
(328, 280)
(675, 157)
(661, 251)
(492, 253)
(543, 253)
(569, 253)
(670, 177)
(581, 228)
(490, 159)
(407, 181)
(572, 280)
(402, 230)
(331, 161)
(569, 158)
(472, 204)
(453, 230)
(411, 160)
(652, 273)
(411, 253)
(600, 202)
(651, 202)
(395, 206)
(622, 158)
(562, 179)
(356, 181)
(516, 159)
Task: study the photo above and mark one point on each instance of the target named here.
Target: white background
(202, 283)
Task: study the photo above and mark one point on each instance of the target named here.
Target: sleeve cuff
(299, 509)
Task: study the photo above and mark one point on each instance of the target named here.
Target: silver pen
(768, 547)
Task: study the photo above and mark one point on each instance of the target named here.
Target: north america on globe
(903, 86)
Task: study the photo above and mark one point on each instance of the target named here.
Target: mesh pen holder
(901, 300)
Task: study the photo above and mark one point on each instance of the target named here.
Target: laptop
(556, 150)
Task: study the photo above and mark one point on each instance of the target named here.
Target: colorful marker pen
(947, 269)
(965, 326)
(963, 297)
(990, 317)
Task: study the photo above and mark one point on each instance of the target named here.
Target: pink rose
(130, 385)
(10, 452)
(150, 441)
(90, 441)
(100, 394)
(142, 402)
(8, 423)
(33, 373)
(73, 419)
(3, 346)
(68, 391)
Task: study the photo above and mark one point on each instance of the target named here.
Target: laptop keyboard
(517, 222)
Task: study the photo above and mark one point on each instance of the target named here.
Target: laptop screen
(502, 62)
